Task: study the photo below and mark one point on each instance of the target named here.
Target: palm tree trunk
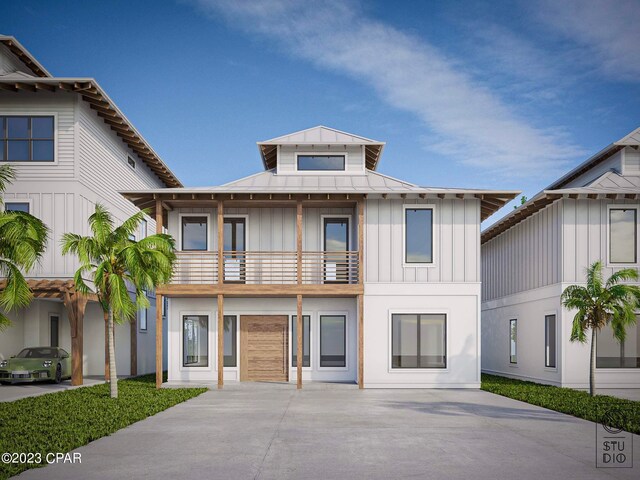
(592, 366)
(113, 378)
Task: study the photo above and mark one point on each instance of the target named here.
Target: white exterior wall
(9, 63)
(314, 307)
(461, 304)
(631, 161)
(354, 161)
(456, 247)
(614, 162)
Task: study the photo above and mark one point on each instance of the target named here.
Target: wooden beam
(159, 219)
(133, 337)
(360, 242)
(255, 290)
(361, 341)
(77, 342)
(220, 242)
(220, 341)
(299, 352)
(299, 241)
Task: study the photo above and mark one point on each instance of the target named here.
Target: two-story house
(319, 268)
(531, 255)
(71, 147)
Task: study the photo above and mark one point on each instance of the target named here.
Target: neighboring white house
(71, 148)
(383, 274)
(530, 256)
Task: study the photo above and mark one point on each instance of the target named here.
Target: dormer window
(320, 162)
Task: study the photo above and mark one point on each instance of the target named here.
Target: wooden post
(361, 297)
(107, 375)
(133, 333)
(77, 343)
(220, 242)
(299, 336)
(159, 220)
(220, 341)
(299, 322)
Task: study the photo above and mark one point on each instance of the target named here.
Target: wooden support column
(159, 220)
(361, 297)
(133, 334)
(77, 343)
(220, 341)
(220, 223)
(299, 322)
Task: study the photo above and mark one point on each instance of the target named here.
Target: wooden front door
(264, 341)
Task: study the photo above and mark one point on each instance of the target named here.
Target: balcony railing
(267, 268)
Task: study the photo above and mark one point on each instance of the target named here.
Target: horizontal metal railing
(267, 267)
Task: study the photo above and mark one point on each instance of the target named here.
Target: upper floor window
(26, 139)
(623, 235)
(131, 162)
(418, 235)
(321, 162)
(16, 207)
(194, 233)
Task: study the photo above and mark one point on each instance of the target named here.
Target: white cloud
(464, 118)
(609, 30)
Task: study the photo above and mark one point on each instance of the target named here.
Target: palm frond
(101, 224)
(7, 175)
(16, 293)
(624, 275)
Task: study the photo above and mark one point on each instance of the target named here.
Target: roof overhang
(105, 108)
(490, 201)
(269, 153)
(547, 197)
(24, 56)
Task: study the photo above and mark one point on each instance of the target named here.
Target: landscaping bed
(621, 413)
(62, 421)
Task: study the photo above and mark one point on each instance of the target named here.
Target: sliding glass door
(235, 248)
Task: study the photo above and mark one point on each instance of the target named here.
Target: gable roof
(320, 135)
(609, 185)
(24, 56)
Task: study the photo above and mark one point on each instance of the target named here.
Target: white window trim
(551, 369)
(311, 345)
(418, 311)
(211, 337)
(209, 226)
(619, 206)
(349, 228)
(435, 232)
(140, 329)
(509, 319)
(55, 135)
(323, 172)
(346, 341)
(5, 200)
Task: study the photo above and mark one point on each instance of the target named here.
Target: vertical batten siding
(457, 236)
(62, 106)
(585, 233)
(103, 164)
(524, 257)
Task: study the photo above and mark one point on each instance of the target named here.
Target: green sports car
(36, 364)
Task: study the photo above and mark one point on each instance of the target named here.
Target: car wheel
(58, 377)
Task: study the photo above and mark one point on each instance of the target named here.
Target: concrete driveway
(275, 432)
(9, 393)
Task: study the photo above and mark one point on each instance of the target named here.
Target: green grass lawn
(621, 413)
(63, 421)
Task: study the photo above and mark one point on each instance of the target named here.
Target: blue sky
(486, 94)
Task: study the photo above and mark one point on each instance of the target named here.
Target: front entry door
(264, 341)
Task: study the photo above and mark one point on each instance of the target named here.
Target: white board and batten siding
(354, 157)
(525, 257)
(456, 242)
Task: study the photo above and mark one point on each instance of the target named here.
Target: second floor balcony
(267, 268)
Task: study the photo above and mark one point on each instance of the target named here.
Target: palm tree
(599, 304)
(23, 240)
(115, 262)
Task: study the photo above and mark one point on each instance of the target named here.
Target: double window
(513, 341)
(418, 235)
(611, 353)
(418, 340)
(306, 341)
(550, 341)
(321, 162)
(26, 139)
(623, 235)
